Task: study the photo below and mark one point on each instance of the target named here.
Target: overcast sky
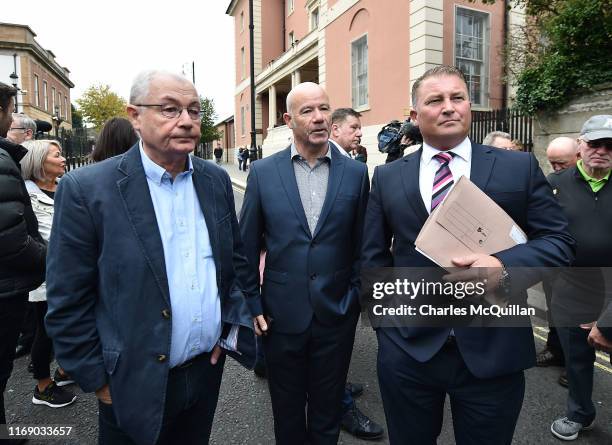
(110, 41)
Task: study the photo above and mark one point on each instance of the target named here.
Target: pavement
(244, 414)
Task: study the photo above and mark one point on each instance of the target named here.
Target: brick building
(45, 84)
(366, 53)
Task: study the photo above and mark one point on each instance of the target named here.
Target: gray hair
(141, 83)
(490, 138)
(25, 121)
(440, 70)
(32, 164)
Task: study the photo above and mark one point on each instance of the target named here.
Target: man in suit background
(144, 254)
(305, 206)
(481, 369)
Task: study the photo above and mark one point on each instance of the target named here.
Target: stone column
(271, 106)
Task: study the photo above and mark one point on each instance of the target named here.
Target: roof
(225, 121)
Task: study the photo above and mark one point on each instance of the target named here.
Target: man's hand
(474, 272)
(216, 353)
(596, 338)
(103, 395)
(261, 327)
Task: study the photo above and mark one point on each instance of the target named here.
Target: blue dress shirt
(190, 266)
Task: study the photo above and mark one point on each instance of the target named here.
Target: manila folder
(467, 221)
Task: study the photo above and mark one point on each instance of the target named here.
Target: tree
(77, 117)
(98, 104)
(207, 124)
(562, 51)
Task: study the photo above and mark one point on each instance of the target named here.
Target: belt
(190, 362)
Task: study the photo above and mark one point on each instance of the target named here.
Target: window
(359, 68)
(242, 121)
(314, 19)
(45, 95)
(36, 92)
(289, 6)
(242, 62)
(52, 99)
(471, 51)
(241, 21)
(65, 107)
(291, 39)
(59, 104)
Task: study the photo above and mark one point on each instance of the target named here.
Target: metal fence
(519, 126)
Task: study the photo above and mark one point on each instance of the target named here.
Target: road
(244, 414)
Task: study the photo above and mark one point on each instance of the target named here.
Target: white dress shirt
(460, 165)
(342, 150)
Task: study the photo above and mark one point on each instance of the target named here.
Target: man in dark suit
(306, 205)
(481, 369)
(144, 275)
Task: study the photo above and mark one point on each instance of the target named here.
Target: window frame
(36, 90)
(46, 95)
(486, 45)
(355, 89)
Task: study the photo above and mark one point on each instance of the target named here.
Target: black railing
(519, 126)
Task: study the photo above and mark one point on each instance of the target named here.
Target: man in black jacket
(22, 257)
(579, 294)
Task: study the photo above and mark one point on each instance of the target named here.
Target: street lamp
(57, 119)
(14, 77)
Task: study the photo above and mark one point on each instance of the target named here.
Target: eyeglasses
(17, 128)
(598, 143)
(172, 112)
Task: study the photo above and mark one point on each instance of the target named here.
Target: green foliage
(77, 117)
(98, 104)
(572, 51)
(207, 125)
(578, 55)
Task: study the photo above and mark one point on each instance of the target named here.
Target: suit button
(313, 276)
(161, 358)
(166, 314)
(313, 243)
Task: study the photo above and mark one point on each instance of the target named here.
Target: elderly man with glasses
(22, 129)
(146, 273)
(579, 295)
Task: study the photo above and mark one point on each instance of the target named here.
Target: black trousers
(579, 359)
(307, 374)
(191, 401)
(485, 411)
(12, 311)
(553, 344)
(42, 346)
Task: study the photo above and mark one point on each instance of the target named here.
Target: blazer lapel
(284, 165)
(482, 165)
(205, 190)
(336, 170)
(136, 197)
(410, 180)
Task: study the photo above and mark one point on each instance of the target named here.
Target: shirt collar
(295, 153)
(340, 149)
(463, 150)
(156, 173)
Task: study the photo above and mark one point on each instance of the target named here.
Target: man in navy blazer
(305, 205)
(480, 368)
(144, 275)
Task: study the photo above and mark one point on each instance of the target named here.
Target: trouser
(191, 399)
(552, 340)
(42, 346)
(579, 359)
(12, 311)
(307, 375)
(484, 411)
(28, 327)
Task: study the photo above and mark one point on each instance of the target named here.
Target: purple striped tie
(443, 180)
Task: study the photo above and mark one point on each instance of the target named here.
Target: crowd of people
(141, 278)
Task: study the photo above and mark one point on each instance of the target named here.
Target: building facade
(43, 83)
(226, 139)
(366, 53)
